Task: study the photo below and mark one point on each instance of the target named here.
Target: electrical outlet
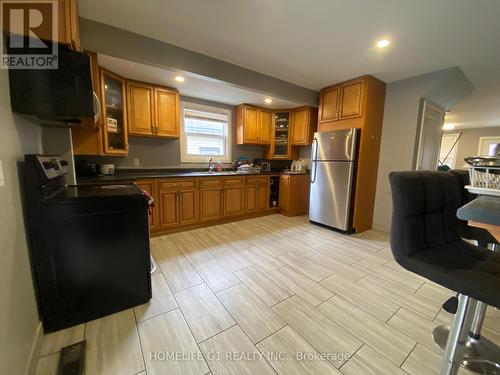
(2, 180)
(137, 163)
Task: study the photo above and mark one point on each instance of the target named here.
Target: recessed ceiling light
(448, 126)
(268, 100)
(179, 78)
(383, 43)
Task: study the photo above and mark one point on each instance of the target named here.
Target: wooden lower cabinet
(183, 203)
(169, 209)
(188, 206)
(294, 194)
(151, 186)
(178, 204)
(234, 201)
(257, 198)
(211, 204)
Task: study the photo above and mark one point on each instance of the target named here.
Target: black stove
(89, 245)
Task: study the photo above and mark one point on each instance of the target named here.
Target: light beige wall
(18, 311)
(469, 142)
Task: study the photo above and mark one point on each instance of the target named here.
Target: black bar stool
(426, 239)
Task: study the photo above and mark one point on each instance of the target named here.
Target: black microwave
(58, 97)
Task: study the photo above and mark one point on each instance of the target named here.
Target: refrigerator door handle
(313, 173)
(314, 152)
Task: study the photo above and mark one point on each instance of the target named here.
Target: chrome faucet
(210, 166)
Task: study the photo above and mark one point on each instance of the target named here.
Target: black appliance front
(89, 249)
(61, 95)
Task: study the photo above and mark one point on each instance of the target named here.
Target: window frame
(185, 157)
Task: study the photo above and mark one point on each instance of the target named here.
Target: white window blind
(205, 134)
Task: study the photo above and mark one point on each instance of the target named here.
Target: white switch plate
(2, 180)
(136, 163)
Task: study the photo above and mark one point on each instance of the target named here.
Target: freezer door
(335, 145)
(330, 193)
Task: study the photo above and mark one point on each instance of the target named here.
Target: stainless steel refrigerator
(333, 171)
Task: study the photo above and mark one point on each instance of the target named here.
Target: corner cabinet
(114, 110)
(153, 111)
(253, 125)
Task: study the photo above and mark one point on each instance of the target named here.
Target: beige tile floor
(254, 296)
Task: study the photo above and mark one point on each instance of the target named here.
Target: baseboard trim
(35, 351)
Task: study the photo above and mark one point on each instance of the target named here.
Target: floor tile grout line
(191, 332)
(140, 342)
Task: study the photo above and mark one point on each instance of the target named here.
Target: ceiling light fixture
(448, 126)
(179, 78)
(383, 43)
(268, 100)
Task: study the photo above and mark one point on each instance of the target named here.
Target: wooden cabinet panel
(167, 113)
(265, 127)
(303, 123)
(188, 206)
(233, 181)
(151, 187)
(251, 125)
(68, 31)
(284, 197)
(169, 213)
(351, 98)
(257, 198)
(234, 201)
(140, 108)
(294, 194)
(177, 184)
(329, 104)
(211, 204)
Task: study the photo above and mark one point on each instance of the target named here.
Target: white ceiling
(317, 43)
(194, 86)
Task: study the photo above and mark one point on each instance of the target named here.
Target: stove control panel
(52, 166)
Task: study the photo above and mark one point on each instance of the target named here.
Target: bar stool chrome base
(481, 356)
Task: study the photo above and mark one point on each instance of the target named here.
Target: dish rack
(484, 176)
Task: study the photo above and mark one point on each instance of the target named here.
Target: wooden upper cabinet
(341, 101)
(140, 108)
(303, 124)
(166, 113)
(68, 28)
(253, 125)
(329, 104)
(114, 110)
(153, 110)
(352, 92)
(265, 126)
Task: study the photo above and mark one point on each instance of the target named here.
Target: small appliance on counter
(85, 169)
(107, 169)
(88, 245)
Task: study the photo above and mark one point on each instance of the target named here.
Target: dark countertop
(130, 175)
(484, 209)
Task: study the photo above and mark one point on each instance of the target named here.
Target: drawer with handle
(177, 184)
(257, 181)
(210, 183)
(234, 181)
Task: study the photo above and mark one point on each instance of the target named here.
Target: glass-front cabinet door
(115, 119)
(281, 133)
